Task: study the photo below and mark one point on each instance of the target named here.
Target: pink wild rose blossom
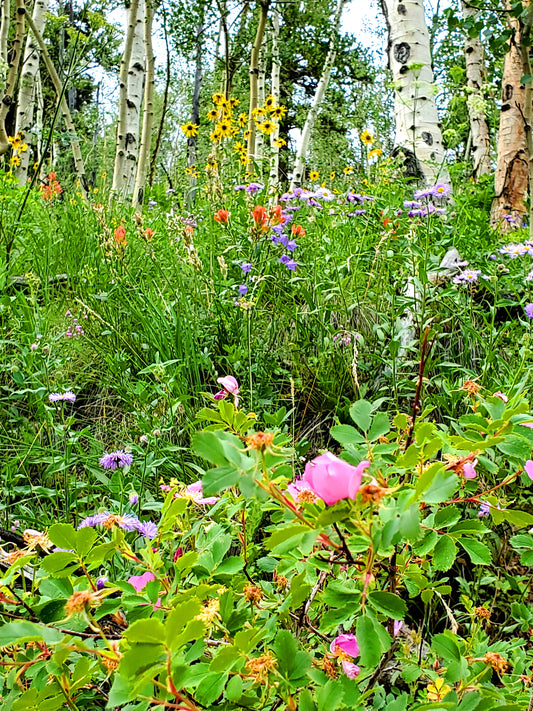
(528, 468)
(345, 643)
(230, 386)
(333, 479)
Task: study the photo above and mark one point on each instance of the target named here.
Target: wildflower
(529, 310)
(258, 113)
(528, 468)
(116, 460)
(222, 216)
(482, 613)
(212, 115)
(108, 520)
(288, 262)
(133, 498)
(260, 666)
(346, 644)
(230, 385)
(243, 120)
(260, 217)
(298, 231)
(468, 276)
(218, 98)
(35, 539)
(260, 440)
(333, 479)
(301, 492)
(468, 470)
(497, 662)
(437, 690)
(348, 170)
(367, 138)
(376, 153)
(148, 529)
(190, 129)
(332, 175)
(243, 289)
(224, 129)
(254, 188)
(503, 397)
(270, 103)
(15, 160)
(246, 267)
(267, 127)
(210, 612)
(440, 190)
(120, 235)
(279, 142)
(100, 583)
(66, 397)
(139, 582)
(195, 492)
(372, 492)
(471, 387)
(252, 593)
(314, 176)
(484, 509)
(80, 601)
(291, 245)
(278, 112)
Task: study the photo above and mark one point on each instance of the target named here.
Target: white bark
(4, 33)
(276, 70)
(6, 98)
(418, 135)
(261, 76)
(27, 98)
(148, 112)
(67, 118)
(312, 114)
(136, 77)
(475, 75)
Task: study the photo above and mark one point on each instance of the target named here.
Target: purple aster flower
(133, 498)
(240, 187)
(100, 583)
(298, 192)
(412, 204)
(254, 188)
(66, 397)
(148, 529)
(243, 289)
(530, 276)
(484, 509)
(116, 460)
(529, 310)
(468, 276)
(356, 213)
(354, 197)
(246, 267)
(291, 245)
(313, 203)
(324, 194)
(510, 219)
(425, 193)
(286, 196)
(94, 520)
(441, 190)
(293, 208)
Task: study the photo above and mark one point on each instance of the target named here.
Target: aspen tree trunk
(418, 135)
(27, 97)
(299, 163)
(526, 28)
(254, 75)
(195, 110)
(232, 59)
(67, 118)
(11, 79)
(119, 170)
(4, 30)
(136, 78)
(512, 168)
(148, 111)
(261, 76)
(475, 75)
(164, 106)
(276, 69)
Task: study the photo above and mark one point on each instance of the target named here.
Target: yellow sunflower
(212, 115)
(278, 112)
(348, 170)
(270, 102)
(279, 142)
(267, 127)
(190, 129)
(224, 128)
(218, 98)
(243, 120)
(314, 176)
(367, 138)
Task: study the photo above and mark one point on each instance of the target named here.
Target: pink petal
(526, 424)
(139, 582)
(528, 468)
(351, 670)
(468, 471)
(229, 384)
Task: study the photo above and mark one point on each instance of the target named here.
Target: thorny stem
(424, 355)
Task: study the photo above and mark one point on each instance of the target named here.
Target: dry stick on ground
(60, 91)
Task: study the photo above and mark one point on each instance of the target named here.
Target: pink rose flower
(526, 424)
(139, 582)
(351, 670)
(346, 643)
(528, 468)
(501, 395)
(231, 386)
(300, 492)
(195, 492)
(469, 471)
(333, 479)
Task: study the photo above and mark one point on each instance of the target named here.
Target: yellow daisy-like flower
(279, 142)
(190, 129)
(218, 98)
(367, 138)
(348, 170)
(212, 115)
(376, 153)
(215, 135)
(244, 158)
(437, 690)
(35, 166)
(246, 135)
(314, 176)
(239, 147)
(225, 105)
(243, 120)
(267, 127)
(258, 113)
(23, 148)
(278, 112)
(224, 128)
(332, 175)
(234, 103)
(14, 160)
(270, 102)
